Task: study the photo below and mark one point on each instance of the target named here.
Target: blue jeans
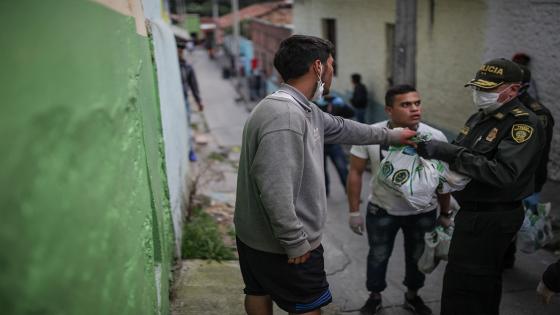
(338, 157)
(360, 114)
(382, 229)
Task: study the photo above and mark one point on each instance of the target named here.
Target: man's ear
(317, 66)
(389, 111)
(515, 87)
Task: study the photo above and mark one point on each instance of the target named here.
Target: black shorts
(294, 288)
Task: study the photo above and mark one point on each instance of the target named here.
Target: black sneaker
(417, 306)
(372, 306)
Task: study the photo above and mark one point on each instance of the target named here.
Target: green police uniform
(502, 155)
(547, 122)
(500, 150)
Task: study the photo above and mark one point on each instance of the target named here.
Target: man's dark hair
(397, 90)
(298, 52)
(356, 78)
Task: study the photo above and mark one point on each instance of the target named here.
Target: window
(329, 33)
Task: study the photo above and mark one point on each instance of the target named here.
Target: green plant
(202, 239)
(215, 156)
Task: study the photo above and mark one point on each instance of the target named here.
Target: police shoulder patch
(521, 132)
(519, 112)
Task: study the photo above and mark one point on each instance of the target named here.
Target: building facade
(453, 38)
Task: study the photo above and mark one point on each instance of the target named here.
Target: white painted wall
(449, 52)
(173, 115)
(360, 37)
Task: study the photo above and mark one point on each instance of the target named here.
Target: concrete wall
(532, 27)
(86, 226)
(360, 37)
(450, 41)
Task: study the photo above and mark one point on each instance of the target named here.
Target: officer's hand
(544, 293)
(405, 136)
(356, 223)
(439, 150)
(299, 260)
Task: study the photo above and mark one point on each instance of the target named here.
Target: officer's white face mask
(320, 86)
(488, 101)
(485, 100)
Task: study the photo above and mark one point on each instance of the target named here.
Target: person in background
(524, 60)
(336, 106)
(547, 122)
(359, 98)
(541, 175)
(188, 80)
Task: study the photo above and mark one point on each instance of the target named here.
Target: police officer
(541, 175)
(497, 148)
(547, 122)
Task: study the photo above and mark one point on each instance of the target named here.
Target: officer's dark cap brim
(483, 84)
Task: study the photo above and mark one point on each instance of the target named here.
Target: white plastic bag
(444, 236)
(428, 261)
(404, 173)
(536, 230)
(436, 248)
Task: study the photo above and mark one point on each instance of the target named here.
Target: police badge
(521, 132)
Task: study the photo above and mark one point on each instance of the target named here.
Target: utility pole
(404, 61)
(215, 14)
(217, 31)
(235, 11)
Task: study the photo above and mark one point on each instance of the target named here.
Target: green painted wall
(85, 215)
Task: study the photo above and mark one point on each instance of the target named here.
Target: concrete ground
(204, 287)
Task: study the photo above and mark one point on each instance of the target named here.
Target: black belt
(490, 206)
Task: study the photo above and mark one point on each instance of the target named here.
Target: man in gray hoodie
(280, 208)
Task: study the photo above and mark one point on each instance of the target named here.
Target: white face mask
(487, 101)
(320, 86)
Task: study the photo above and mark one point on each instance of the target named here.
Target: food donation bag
(406, 174)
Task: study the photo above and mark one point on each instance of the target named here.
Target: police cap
(495, 73)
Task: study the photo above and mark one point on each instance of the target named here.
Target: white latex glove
(356, 222)
(544, 293)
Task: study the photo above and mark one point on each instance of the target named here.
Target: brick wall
(266, 38)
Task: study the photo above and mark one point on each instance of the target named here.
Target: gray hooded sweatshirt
(281, 203)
